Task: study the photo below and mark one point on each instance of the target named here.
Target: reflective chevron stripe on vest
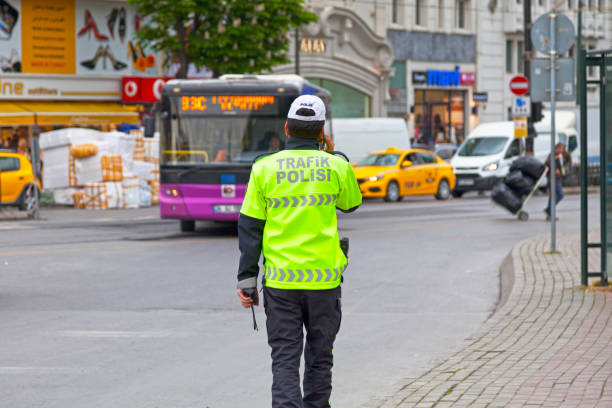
(301, 201)
(303, 275)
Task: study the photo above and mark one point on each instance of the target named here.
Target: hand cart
(522, 214)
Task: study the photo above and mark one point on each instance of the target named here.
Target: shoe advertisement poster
(10, 36)
(105, 41)
(72, 37)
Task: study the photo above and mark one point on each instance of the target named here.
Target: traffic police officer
(289, 214)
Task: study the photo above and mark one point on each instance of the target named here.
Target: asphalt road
(119, 309)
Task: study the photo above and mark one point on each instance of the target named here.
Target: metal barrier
(603, 60)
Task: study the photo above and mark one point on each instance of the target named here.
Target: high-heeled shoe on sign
(111, 19)
(117, 65)
(91, 63)
(122, 23)
(90, 25)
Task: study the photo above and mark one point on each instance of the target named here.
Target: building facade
(442, 65)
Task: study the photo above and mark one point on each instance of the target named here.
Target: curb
(542, 347)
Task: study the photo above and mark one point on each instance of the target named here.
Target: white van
(359, 137)
(485, 157)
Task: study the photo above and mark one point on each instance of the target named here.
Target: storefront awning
(66, 113)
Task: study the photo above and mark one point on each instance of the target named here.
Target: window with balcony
(509, 56)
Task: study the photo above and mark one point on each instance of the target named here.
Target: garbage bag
(519, 182)
(503, 195)
(529, 165)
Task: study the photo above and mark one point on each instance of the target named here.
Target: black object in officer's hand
(252, 293)
(344, 245)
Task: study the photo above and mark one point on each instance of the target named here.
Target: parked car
(394, 173)
(484, 158)
(17, 186)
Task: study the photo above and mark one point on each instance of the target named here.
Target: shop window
(520, 57)
(439, 116)
(508, 56)
(9, 164)
(347, 102)
(399, 79)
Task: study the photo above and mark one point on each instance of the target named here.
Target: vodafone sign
(142, 89)
(519, 85)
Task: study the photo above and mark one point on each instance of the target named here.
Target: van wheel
(392, 192)
(187, 225)
(457, 194)
(443, 190)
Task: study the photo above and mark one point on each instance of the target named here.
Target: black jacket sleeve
(250, 237)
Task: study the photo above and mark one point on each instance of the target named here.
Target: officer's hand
(246, 300)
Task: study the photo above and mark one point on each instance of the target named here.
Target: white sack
(88, 170)
(63, 196)
(114, 193)
(131, 191)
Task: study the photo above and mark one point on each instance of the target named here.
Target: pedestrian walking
(561, 157)
(289, 215)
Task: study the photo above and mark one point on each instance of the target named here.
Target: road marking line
(111, 247)
(38, 370)
(115, 334)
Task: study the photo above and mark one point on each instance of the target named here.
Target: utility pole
(526, 67)
(578, 48)
(297, 51)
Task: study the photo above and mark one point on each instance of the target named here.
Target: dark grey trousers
(288, 312)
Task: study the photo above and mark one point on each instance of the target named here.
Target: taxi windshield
(379, 160)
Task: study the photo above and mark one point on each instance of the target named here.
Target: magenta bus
(211, 131)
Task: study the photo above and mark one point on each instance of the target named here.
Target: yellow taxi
(394, 173)
(16, 181)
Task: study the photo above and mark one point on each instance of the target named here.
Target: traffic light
(536, 111)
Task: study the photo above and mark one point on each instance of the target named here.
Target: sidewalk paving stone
(549, 345)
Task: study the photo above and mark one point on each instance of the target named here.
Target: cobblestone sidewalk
(550, 345)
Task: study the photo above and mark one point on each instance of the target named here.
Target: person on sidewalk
(561, 158)
(289, 214)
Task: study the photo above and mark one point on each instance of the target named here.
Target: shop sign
(142, 89)
(72, 37)
(313, 46)
(419, 77)
(468, 78)
(67, 87)
(443, 78)
(480, 96)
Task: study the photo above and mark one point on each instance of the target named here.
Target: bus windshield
(195, 139)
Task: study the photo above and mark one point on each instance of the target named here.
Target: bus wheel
(187, 225)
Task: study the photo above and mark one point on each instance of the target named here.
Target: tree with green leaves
(225, 36)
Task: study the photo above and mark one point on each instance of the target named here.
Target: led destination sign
(229, 103)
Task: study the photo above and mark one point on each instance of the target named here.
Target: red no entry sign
(519, 85)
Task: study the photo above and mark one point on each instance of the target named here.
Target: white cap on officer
(311, 102)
